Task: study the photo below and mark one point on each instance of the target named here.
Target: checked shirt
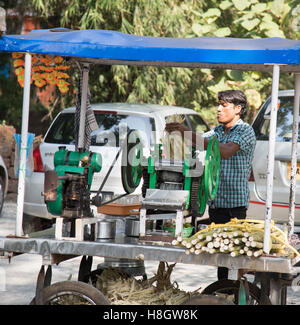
(233, 189)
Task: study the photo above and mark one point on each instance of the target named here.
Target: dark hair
(237, 97)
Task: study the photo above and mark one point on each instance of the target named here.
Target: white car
(3, 183)
(143, 117)
(282, 166)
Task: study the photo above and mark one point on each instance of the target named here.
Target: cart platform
(132, 248)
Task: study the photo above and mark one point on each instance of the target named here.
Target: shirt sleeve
(244, 137)
(209, 134)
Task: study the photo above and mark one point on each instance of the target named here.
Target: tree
(195, 88)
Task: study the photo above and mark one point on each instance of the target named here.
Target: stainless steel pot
(132, 227)
(106, 229)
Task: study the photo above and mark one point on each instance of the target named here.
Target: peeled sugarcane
(238, 237)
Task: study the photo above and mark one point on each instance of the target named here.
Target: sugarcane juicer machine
(171, 189)
(74, 170)
(179, 189)
(67, 187)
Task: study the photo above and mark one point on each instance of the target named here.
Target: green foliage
(10, 101)
(195, 88)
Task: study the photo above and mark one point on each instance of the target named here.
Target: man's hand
(228, 149)
(171, 127)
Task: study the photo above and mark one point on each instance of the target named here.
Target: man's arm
(226, 149)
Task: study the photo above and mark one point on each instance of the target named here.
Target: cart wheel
(207, 300)
(72, 293)
(229, 289)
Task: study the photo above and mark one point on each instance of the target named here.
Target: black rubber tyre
(207, 300)
(230, 288)
(2, 189)
(80, 293)
(127, 170)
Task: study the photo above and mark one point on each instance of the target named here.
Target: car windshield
(284, 130)
(112, 128)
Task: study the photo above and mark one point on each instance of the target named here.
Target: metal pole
(270, 164)
(294, 157)
(23, 151)
(85, 80)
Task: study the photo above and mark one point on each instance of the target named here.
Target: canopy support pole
(271, 155)
(294, 157)
(23, 149)
(85, 81)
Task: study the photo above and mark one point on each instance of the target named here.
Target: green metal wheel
(212, 168)
(131, 169)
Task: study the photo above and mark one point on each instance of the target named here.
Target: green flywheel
(212, 168)
(131, 169)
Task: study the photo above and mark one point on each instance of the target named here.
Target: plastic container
(186, 231)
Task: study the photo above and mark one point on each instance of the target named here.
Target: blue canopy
(112, 47)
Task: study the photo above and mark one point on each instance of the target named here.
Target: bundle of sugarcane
(121, 289)
(237, 237)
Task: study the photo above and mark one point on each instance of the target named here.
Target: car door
(283, 146)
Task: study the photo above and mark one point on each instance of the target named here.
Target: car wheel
(2, 190)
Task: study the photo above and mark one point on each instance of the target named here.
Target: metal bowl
(132, 227)
(106, 229)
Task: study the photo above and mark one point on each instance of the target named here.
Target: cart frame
(109, 48)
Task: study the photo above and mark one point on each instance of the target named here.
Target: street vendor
(237, 143)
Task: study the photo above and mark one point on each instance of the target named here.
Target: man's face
(227, 112)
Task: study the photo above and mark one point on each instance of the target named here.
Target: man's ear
(238, 109)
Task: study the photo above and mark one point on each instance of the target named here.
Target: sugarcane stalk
(257, 244)
(235, 248)
(226, 241)
(183, 243)
(216, 244)
(249, 253)
(248, 243)
(210, 244)
(258, 253)
(195, 241)
(237, 241)
(235, 253)
(198, 246)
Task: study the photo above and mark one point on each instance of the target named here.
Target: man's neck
(229, 125)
